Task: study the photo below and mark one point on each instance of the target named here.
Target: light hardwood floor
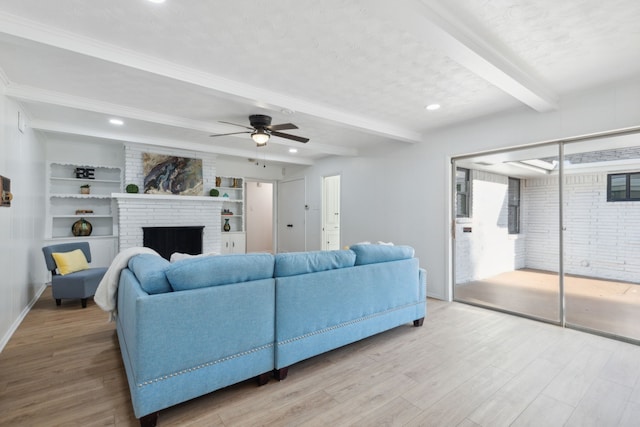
(466, 366)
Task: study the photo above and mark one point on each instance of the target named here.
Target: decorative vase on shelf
(227, 226)
(81, 227)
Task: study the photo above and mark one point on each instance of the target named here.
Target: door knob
(290, 225)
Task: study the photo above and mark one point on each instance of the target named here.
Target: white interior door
(331, 212)
(291, 216)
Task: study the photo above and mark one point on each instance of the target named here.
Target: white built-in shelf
(233, 187)
(82, 216)
(85, 180)
(81, 196)
(65, 198)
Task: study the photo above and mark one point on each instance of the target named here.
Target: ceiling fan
(261, 130)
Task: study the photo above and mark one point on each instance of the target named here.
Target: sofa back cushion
(295, 263)
(371, 254)
(150, 272)
(209, 271)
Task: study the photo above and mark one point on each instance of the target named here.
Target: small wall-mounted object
(85, 173)
(466, 229)
(5, 192)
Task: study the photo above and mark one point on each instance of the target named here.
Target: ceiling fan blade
(225, 134)
(283, 126)
(235, 124)
(288, 136)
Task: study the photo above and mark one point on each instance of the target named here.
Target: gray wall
(22, 270)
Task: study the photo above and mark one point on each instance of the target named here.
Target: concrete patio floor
(601, 305)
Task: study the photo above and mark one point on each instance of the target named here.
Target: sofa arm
(422, 274)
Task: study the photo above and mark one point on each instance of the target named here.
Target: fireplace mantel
(167, 197)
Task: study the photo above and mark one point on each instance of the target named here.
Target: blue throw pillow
(294, 263)
(371, 254)
(150, 272)
(208, 271)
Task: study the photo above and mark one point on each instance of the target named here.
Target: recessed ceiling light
(433, 107)
(293, 150)
(116, 122)
(156, 1)
(286, 111)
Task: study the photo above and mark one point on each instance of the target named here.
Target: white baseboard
(20, 318)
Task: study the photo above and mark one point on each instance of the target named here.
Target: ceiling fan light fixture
(260, 137)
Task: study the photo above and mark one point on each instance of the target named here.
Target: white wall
(21, 225)
(244, 168)
(488, 249)
(63, 148)
(403, 195)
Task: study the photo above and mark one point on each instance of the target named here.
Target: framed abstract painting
(165, 174)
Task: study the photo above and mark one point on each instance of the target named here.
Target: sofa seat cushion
(295, 263)
(203, 272)
(150, 272)
(371, 254)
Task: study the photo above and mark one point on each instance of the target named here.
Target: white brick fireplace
(145, 210)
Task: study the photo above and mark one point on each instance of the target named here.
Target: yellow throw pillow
(70, 262)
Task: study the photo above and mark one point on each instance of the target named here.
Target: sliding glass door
(552, 232)
(506, 240)
(602, 236)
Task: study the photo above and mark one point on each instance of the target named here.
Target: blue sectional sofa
(197, 325)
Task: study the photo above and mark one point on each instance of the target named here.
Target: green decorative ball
(132, 188)
(214, 192)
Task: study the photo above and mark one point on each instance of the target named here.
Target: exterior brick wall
(601, 238)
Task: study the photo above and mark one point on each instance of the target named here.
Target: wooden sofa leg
(263, 378)
(281, 373)
(149, 420)
(84, 302)
(418, 322)
(58, 301)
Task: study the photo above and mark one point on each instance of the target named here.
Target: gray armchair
(81, 284)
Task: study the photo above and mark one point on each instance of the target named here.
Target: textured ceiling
(356, 74)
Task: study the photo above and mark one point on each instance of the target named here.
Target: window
(462, 193)
(623, 187)
(514, 205)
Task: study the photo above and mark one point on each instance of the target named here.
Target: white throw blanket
(105, 296)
